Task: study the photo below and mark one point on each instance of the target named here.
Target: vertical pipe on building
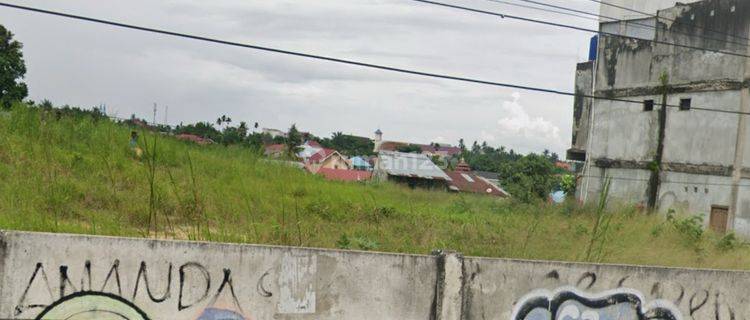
(655, 179)
(589, 143)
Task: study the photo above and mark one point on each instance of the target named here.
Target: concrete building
(680, 156)
(614, 8)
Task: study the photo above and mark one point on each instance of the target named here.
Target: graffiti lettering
(570, 304)
(115, 270)
(588, 275)
(206, 278)
(261, 288)
(92, 305)
(696, 303)
(22, 304)
(143, 274)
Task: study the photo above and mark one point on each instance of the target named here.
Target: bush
(690, 227)
(728, 242)
(359, 242)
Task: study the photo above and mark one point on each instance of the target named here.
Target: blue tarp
(358, 162)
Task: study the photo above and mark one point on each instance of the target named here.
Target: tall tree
(293, 140)
(12, 69)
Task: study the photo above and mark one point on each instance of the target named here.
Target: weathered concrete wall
(46, 276)
(646, 6)
(584, 291)
(702, 150)
(59, 276)
(584, 89)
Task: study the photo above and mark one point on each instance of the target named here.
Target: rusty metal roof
(409, 165)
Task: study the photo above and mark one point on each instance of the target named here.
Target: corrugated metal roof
(409, 165)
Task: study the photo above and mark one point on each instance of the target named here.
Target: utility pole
(154, 113)
(166, 112)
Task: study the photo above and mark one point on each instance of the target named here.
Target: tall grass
(78, 175)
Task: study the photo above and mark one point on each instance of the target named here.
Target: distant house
(327, 158)
(492, 177)
(274, 132)
(430, 150)
(359, 163)
(442, 151)
(194, 138)
(415, 170)
(308, 149)
(344, 175)
(275, 150)
(464, 180)
(564, 166)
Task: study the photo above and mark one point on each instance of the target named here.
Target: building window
(648, 105)
(685, 104)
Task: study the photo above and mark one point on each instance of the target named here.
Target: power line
(349, 62)
(668, 19)
(543, 9)
(567, 26)
(628, 22)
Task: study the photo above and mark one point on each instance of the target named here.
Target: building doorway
(719, 219)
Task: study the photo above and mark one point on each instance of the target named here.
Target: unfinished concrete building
(663, 149)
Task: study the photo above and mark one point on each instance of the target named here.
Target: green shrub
(728, 242)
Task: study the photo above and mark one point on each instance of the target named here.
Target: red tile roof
(344, 175)
(563, 165)
(321, 155)
(391, 145)
(476, 184)
(313, 144)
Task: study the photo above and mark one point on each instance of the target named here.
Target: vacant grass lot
(77, 175)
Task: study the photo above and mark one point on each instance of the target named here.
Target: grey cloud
(85, 64)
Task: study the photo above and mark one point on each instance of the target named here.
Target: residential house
(443, 151)
(327, 158)
(274, 132)
(275, 150)
(492, 177)
(344, 174)
(564, 166)
(308, 149)
(359, 163)
(415, 170)
(467, 181)
(691, 155)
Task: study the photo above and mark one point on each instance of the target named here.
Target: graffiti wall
(56, 277)
(53, 277)
(568, 291)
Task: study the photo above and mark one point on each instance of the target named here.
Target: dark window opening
(648, 105)
(685, 104)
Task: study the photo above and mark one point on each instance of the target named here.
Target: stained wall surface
(46, 276)
(50, 276)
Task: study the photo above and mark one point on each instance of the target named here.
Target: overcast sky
(84, 64)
